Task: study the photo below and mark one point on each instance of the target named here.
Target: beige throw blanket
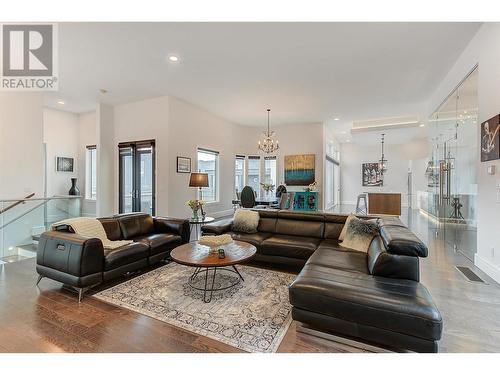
(91, 228)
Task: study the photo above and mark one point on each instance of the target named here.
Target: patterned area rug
(253, 316)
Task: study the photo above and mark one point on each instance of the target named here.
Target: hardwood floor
(49, 319)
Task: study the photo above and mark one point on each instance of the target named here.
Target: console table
(384, 203)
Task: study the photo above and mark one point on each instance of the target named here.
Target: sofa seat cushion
(289, 246)
(355, 261)
(114, 258)
(398, 305)
(160, 242)
(255, 239)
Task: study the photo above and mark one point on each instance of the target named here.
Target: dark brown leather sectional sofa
(374, 297)
(83, 262)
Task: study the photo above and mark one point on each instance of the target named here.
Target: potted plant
(268, 188)
(195, 205)
(311, 187)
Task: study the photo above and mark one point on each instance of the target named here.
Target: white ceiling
(304, 72)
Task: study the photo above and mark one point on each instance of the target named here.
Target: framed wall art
(64, 164)
(183, 164)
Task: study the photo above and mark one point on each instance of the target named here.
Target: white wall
(412, 154)
(87, 136)
(191, 127)
(21, 147)
(60, 134)
(106, 152)
(144, 120)
(482, 50)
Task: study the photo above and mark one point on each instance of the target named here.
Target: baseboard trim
(304, 328)
(487, 267)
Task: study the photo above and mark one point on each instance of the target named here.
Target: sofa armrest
(401, 241)
(171, 225)
(70, 258)
(396, 266)
(218, 227)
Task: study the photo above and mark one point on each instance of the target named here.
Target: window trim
(217, 173)
(244, 158)
(259, 158)
(88, 173)
(276, 167)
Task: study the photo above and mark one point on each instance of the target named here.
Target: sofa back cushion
(112, 228)
(300, 224)
(333, 226)
(267, 222)
(137, 224)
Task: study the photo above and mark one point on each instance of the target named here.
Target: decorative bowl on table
(215, 242)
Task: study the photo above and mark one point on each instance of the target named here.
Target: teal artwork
(300, 169)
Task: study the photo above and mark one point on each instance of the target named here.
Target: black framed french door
(137, 175)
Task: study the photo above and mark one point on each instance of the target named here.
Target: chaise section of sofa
(372, 296)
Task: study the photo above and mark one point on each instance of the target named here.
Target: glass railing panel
(21, 225)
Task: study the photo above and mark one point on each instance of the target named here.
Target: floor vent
(469, 274)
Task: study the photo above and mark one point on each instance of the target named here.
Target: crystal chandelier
(382, 163)
(268, 145)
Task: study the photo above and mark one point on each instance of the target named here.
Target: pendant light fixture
(382, 163)
(268, 145)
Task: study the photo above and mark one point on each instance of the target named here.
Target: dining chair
(247, 197)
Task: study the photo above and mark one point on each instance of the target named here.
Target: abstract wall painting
(300, 169)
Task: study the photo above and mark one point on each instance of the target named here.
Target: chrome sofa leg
(80, 294)
(40, 277)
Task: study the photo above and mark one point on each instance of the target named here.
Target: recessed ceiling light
(422, 125)
(173, 58)
(348, 140)
(61, 102)
(336, 119)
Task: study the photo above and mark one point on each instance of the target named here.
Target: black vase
(74, 189)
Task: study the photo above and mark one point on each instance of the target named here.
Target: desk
(384, 204)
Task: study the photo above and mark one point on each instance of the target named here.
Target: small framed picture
(183, 165)
(64, 164)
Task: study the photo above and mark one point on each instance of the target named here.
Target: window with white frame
(208, 162)
(239, 173)
(270, 170)
(91, 172)
(253, 173)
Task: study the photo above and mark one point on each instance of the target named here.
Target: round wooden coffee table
(203, 260)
